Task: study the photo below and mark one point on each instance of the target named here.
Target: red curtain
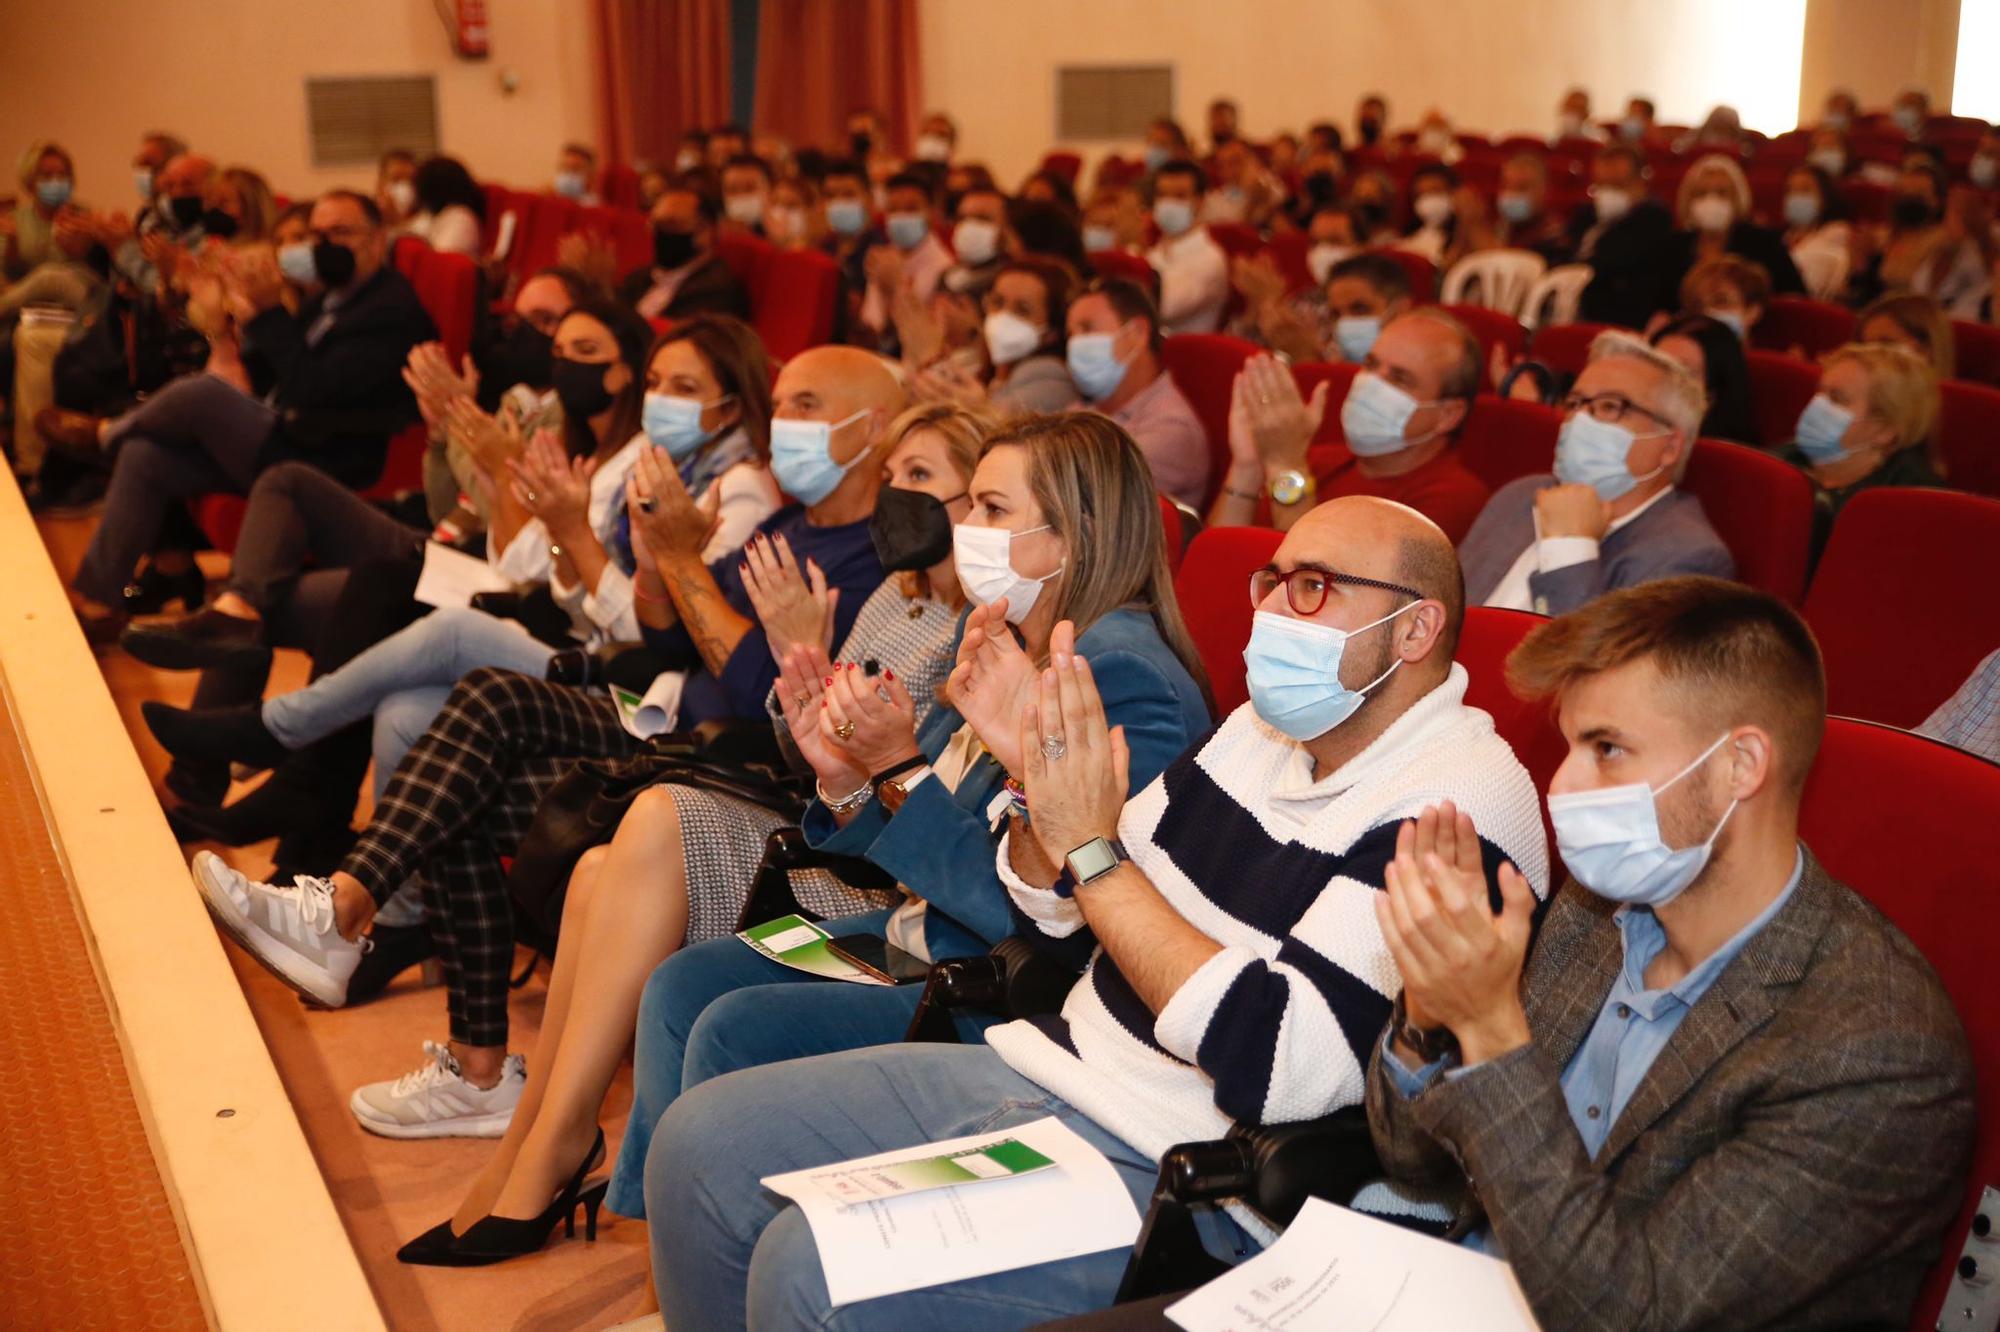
(818, 60)
(665, 70)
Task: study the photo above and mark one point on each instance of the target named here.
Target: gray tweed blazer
(1791, 1159)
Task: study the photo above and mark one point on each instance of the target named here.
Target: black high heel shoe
(495, 1239)
(149, 593)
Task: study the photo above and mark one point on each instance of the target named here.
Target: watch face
(1288, 487)
(1093, 858)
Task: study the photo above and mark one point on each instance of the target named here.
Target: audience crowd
(886, 634)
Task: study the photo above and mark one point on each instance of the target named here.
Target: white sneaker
(290, 930)
(437, 1102)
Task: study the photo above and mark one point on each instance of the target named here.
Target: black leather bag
(583, 808)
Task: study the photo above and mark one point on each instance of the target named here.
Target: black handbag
(584, 807)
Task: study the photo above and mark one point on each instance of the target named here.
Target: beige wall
(1877, 48)
(1491, 66)
(229, 76)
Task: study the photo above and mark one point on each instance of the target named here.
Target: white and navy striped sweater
(1282, 871)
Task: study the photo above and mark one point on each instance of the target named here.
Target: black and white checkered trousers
(461, 801)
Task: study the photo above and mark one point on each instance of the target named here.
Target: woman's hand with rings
(871, 717)
(800, 696)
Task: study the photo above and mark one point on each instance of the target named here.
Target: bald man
(1236, 973)
(466, 791)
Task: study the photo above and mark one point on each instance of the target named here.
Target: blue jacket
(941, 844)
(1673, 537)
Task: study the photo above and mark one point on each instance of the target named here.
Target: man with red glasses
(1613, 514)
(1236, 972)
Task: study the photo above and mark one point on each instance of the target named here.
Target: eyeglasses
(1610, 408)
(1306, 587)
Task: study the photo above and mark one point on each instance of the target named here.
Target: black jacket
(711, 288)
(340, 395)
(1626, 284)
(1760, 245)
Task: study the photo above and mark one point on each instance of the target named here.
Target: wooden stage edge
(257, 1223)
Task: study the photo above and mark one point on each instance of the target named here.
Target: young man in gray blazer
(1613, 515)
(1722, 1089)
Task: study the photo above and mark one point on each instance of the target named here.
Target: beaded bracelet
(846, 804)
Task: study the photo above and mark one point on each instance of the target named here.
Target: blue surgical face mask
(1376, 416)
(907, 230)
(1729, 319)
(572, 184)
(1801, 209)
(295, 261)
(1293, 670)
(802, 457)
(847, 217)
(1516, 208)
(1610, 840)
(1095, 366)
(1632, 127)
(1174, 216)
(1099, 238)
(673, 423)
(53, 191)
(1908, 118)
(1591, 452)
(1157, 157)
(1355, 336)
(1830, 160)
(1821, 433)
(142, 181)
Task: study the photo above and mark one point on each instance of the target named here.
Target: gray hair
(1683, 399)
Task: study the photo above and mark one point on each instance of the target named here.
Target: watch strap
(896, 770)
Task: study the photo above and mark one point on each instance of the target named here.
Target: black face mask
(185, 210)
(218, 224)
(910, 529)
(1322, 187)
(1371, 131)
(859, 143)
(524, 356)
(580, 387)
(1907, 210)
(1369, 218)
(672, 249)
(333, 263)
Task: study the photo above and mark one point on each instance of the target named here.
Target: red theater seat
(1339, 377)
(1968, 435)
(1566, 347)
(1815, 327)
(1131, 267)
(1976, 349)
(1528, 728)
(1762, 508)
(1213, 588)
(1904, 601)
(803, 298)
(1204, 366)
(1780, 388)
(1236, 239)
(1064, 164)
(625, 230)
(749, 258)
(1876, 793)
(1421, 272)
(1288, 250)
(1493, 328)
(1505, 439)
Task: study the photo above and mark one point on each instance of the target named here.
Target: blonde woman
(1713, 212)
(1911, 320)
(1869, 425)
(680, 865)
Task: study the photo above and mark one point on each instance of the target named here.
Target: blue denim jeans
(429, 655)
(721, 1006)
(727, 1253)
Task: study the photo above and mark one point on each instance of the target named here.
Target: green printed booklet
(1008, 1158)
(801, 945)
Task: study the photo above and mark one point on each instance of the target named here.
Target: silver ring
(1054, 747)
(531, 497)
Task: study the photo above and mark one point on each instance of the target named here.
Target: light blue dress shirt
(1632, 1027)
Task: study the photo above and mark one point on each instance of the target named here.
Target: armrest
(1276, 1167)
(785, 850)
(742, 741)
(1016, 980)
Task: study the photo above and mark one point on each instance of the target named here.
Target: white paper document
(1336, 1268)
(943, 1234)
(451, 577)
(653, 712)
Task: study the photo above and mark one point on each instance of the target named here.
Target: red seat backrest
(1213, 588)
(1904, 602)
(1968, 435)
(749, 258)
(1506, 438)
(1976, 351)
(618, 186)
(802, 297)
(1762, 508)
(1173, 530)
(623, 229)
(1421, 272)
(1288, 250)
(548, 219)
(1492, 328)
(1065, 164)
(1874, 794)
(1339, 377)
(1566, 347)
(1204, 366)
(448, 287)
(1816, 327)
(1780, 388)
(1235, 238)
(499, 199)
(406, 253)
(1529, 728)
(1131, 267)
(1868, 200)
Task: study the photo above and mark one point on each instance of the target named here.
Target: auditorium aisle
(388, 1191)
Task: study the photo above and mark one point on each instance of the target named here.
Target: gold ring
(845, 730)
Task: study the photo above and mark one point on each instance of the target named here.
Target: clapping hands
(994, 679)
(794, 605)
(1269, 423)
(553, 486)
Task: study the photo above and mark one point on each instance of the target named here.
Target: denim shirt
(1632, 1028)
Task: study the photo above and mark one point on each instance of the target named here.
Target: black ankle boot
(225, 735)
(149, 593)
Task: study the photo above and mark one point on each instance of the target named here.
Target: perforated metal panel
(1111, 101)
(355, 120)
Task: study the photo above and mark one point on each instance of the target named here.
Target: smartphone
(879, 958)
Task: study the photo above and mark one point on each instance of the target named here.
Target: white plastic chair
(1554, 297)
(1496, 279)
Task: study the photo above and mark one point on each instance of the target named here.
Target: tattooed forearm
(711, 621)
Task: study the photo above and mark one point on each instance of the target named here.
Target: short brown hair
(1751, 280)
(1730, 654)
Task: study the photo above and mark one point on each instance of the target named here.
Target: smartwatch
(1289, 486)
(1088, 863)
